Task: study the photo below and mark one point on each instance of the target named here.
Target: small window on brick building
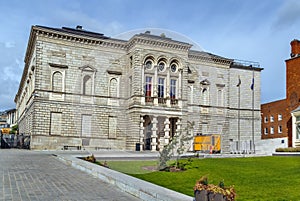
(279, 129)
(272, 130)
(266, 131)
(266, 119)
(271, 118)
(279, 117)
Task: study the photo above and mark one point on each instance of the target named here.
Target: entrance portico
(157, 131)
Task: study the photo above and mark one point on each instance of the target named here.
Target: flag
(239, 83)
(252, 84)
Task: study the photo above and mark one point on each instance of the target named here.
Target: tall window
(173, 89)
(279, 129)
(272, 130)
(271, 118)
(205, 96)
(57, 81)
(279, 117)
(266, 119)
(87, 85)
(220, 97)
(266, 131)
(55, 123)
(148, 87)
(113, 88)
(161, 85)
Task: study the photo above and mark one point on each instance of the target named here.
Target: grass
(257, 178)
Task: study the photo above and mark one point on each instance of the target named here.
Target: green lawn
(257, 178)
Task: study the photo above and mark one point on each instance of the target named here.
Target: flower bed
(208, 192)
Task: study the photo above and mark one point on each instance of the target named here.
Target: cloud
(288, 15)
(11, 67)
(72, 18)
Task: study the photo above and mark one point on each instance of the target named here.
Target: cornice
(157, 41)
(82, 39)
(209, 58)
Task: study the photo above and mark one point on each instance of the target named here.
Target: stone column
(167, 131)
(141, 133)
(154, 134)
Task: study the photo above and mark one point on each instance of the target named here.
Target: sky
(252, 30)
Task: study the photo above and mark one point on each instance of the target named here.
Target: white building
(81, 88)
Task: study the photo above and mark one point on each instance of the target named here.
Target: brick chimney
(295, 48)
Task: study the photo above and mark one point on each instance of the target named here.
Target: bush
(289, 149)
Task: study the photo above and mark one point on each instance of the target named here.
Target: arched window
(87, 85)
(57, 81)
(205, 96)
(113, 87)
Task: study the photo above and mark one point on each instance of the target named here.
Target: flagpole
(239, 113)
(253, 110)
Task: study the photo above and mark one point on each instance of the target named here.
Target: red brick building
(276, 116)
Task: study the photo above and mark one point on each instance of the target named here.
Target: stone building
(81, 88)
(280, 118)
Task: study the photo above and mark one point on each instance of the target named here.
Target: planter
(204, 195)
(201, 195)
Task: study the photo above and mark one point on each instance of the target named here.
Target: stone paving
(32, 176)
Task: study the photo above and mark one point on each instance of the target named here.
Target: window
(205, 96)
(161, 66)
(148, 64)
(148, 88)
(113, 88)
(86, 125)
(161, 88)
(297, 118)
(266, 119)
(271, 118)
(272, 130)
(279, 117)
(266, 131)
(87, 85)
(161, 82)
(55, 123)
(279, 129)
(112, 127)
(57, 81)
(220, 97)
(173, 67)
(173, 89)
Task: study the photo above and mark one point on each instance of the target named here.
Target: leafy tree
(179, 145)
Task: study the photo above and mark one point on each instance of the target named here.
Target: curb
(136, 187)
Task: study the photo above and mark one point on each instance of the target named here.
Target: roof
(77, 31)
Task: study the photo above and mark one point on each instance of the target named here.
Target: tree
(179, 145)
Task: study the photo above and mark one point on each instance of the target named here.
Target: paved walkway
(32, 176)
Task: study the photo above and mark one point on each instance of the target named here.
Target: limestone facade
(81, 88)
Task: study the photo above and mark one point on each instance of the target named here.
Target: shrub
(289, 149)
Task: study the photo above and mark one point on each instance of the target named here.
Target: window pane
(161, 87)
(148, 86)
(173, 89)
